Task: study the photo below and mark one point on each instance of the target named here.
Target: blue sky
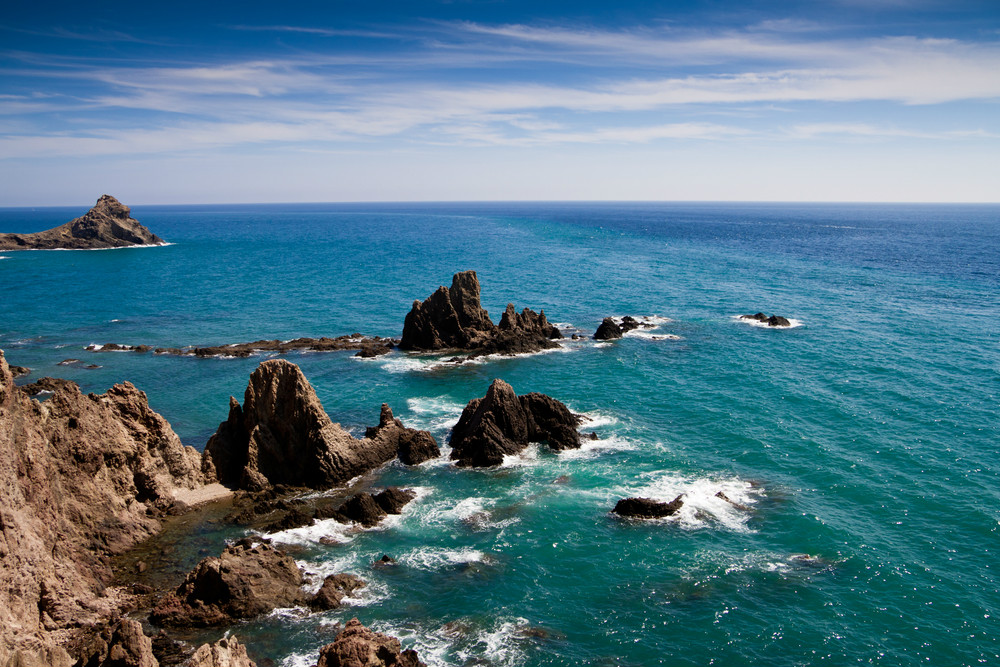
(840, 100)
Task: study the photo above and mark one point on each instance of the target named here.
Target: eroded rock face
(244, 582)
(502, 423)
(357, 646)
(81, 478)
(282, 435)
(454, 319)
(645, 508)
(108, 224)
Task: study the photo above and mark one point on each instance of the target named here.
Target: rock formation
(334, 589)
(608, 330)
(357, 646)
(282, 435)
(121, 643)
(772, 321)
(367, 346)
(454, 319)
(502, 423)
(645, 508)
(81, 478)
(227, 652)
(369, 510)
(108, 225)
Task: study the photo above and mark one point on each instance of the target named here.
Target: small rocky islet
(109, 224)
(87, 478)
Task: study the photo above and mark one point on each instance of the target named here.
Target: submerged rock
(502, 423)
(455, 319)
(243, 582)
(645, 508)
(282, 435)
(772, 321)
(357, 646)
(108, 224)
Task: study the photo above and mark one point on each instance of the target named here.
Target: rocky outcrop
(455, 319)
(82, 478)
(45, 384)
(413, 447)
(502, 423)
(245, 581)
(119, 644)
(19, 371)
(227, 652)
(282, 435)
(369, 510)
(108, 224)
(367, 346)
(645, 508)
(772, 321)
(333, 591)
(357, 646)
(609, 330)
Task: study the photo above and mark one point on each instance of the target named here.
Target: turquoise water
(866, 438)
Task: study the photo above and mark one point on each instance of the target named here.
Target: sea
(858, 448)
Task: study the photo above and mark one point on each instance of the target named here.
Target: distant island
(109, 224)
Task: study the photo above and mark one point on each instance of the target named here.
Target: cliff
(82, 477)
(109, 224)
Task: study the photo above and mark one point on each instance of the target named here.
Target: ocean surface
(863, 443)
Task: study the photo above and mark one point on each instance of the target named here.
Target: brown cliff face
(282, 435)
(455, 319)
(81, 478)
(107, 225)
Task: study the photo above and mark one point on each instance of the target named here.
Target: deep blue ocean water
(863, 442)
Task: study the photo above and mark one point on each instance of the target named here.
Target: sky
(466, 100)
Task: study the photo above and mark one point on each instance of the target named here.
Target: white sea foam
(525, 458)
(330, 529)
(434, 413)
(434, 559)
(502, 644)
(4, 257)
(285, 613)
(651, 334)
(592, 448)
(301, 659)
(764, 325)
(596, 419)
(702, 506)
(126, 247)
(405, 363)
(655, 321)
(94, 347)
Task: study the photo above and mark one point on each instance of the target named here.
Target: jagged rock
(413, 446)
(227, 652)
(502, 423)
(121, 644)
(107, 225)
(645, 508)
(371, 350)
(281, 435)
(454, 319)
(47, 384)
(772, 321)
(243, 582)
(334, 589)
(369, 510)
(19, 371)
(82, 478)
(608, 330)
(357, 646)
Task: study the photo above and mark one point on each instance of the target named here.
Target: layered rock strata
(454, 319)
(282, 435)
(109, 224)
(502, 423)
(82, 477)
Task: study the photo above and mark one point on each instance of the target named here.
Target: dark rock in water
(739, 506)
(502, 423)
(454, 319)
(295, 518)
(19, 371)
(608, 330)
(47, 384)
(394, 499)
(107, 225)
(413, 446)
(281, 435)
(385, 561)
(371, 350)
(68, 362)
(629, 323)
(244, 582)
(772, 321)
(334, 589)
(369, 510)
(645, 508)
(357, 646)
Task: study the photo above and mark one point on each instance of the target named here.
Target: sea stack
(453, 319)
(109, 224)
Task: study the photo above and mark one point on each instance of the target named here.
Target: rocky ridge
(502, 423)
(366, 346)
(454, 319)
(282, 435)
(109, 224)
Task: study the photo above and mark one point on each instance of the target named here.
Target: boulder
(82, 478)
(334, 589)
(369, 510)
(413, 447)
(119, 644)
(109, 224)
(357, 646)
(645, 508)
(227, 652)
(772, 321)
(454, 319)
(502, 423)
(282, 435)
(608, 330)
(243, 582)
